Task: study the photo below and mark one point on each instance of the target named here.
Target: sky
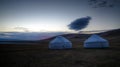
(54, 15)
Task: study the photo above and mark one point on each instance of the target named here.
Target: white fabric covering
(60, 43)
(96, 41)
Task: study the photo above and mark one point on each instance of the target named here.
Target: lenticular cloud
(80, 23)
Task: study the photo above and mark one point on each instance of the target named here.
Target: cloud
(79, 24)
(22, 28)
(103, 3)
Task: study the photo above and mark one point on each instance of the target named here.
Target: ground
(38, 55)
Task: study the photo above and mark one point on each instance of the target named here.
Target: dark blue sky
(54, 15)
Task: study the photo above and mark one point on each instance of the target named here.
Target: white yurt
(60, 43)
(96, 41)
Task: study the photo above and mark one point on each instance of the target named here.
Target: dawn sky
(54, 15)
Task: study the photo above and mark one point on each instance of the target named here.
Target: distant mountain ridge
(115, 32)
(74, 36)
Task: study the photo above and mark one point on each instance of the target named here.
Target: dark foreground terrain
(38, 54)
